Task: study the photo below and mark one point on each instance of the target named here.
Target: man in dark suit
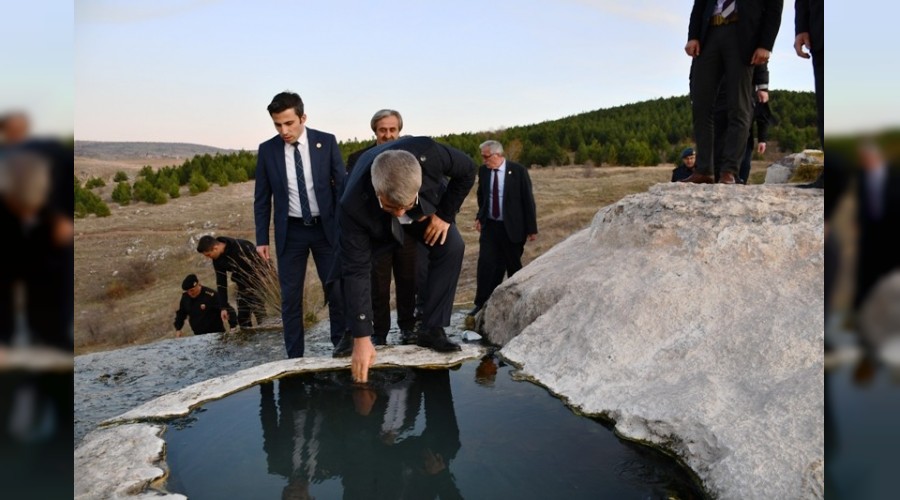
(809, 27)
(727, 38)
(302, 172)
(199, 305)
(387, 124)
(506, 219)
(878, 216)
(396, 192)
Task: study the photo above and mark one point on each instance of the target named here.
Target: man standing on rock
(299, 174)
(394, 193)
(506, 219)
(387, 124)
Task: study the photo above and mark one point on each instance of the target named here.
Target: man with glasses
(506, 220)
(395, 192)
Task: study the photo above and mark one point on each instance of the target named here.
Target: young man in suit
(387, 124)
(727, 38)
(300, 174)
(506, 219)
(400, 190)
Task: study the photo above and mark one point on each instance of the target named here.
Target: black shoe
(474, 310)
(436, 340)
(344, 347)
(379, 339)
(407, 337)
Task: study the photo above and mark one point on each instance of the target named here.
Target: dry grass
(165, 236)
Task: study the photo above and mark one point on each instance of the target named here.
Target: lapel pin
(422, 158)
(318, 145)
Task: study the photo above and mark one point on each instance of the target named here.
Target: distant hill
(131, 150)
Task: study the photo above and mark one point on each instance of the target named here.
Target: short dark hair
(286, 100)
(206, 243)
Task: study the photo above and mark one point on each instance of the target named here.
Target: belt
(718, 20)
(315, 221)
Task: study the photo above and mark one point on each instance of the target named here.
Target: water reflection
(469, 432)
(372, 444)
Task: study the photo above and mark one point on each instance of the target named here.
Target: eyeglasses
(487, 156)
(395, 208)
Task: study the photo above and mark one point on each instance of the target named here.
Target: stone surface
(781, 171)
(692, 316)
(120, 462)
(879, 320)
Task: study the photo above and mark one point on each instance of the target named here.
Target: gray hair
(397, 176)
(384, 113)
(493, 146)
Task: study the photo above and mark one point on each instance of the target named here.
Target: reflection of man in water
(371, 437)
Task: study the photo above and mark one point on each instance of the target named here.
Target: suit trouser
(721, 56)
(444, 266)
(497, 255)
(818, 60)
(300, 242)
(402, 262)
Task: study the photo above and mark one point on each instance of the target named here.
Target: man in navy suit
(727, 38)
(400, 190)
(302, 172)
(506, 219)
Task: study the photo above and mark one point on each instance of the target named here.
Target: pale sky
(203, 71)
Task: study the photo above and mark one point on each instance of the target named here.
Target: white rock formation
(781, 171)
(692, 316)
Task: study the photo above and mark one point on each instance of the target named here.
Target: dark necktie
(301, 185)
(495, 196)
(397, 230)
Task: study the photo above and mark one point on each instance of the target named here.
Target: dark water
(862, 445)
(472, 432)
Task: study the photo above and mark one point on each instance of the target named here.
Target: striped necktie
(301, 186)
(728, 8)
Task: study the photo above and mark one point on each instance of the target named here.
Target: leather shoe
(407, 337)
(474, 310)
(344, 347)
(727, 178)
(379, 339)
(697, 178)
(435, 339)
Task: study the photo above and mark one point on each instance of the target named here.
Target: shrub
(122, 193)
(94, 182)
(120, 176)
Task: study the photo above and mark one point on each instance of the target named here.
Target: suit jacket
(809, 17)
(519, 214)
(878, 252)
(354, 157)
(758, 23)
(328, 173)
(364, 228)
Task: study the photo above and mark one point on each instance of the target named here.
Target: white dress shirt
(293, 196)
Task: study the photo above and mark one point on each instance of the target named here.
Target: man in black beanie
(200, 306)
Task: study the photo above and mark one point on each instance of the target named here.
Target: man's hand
(178, 333)
(692, 48)
(224, 316)
(532, 237)
(436, 232)
(760, 56)
(762, 95)
(363, 357)
(802, 40)
(263, 251)
(761, 148)
(478, 225)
